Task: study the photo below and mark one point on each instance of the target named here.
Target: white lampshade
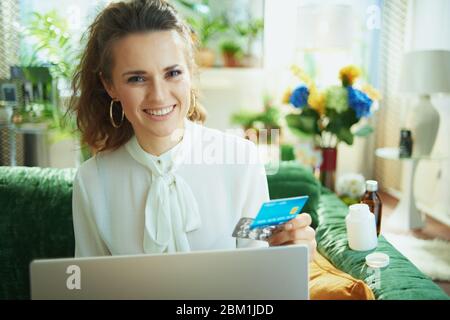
(425, 72)
(324, 27)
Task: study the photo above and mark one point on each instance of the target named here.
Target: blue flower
(359, 102)
(299, 97)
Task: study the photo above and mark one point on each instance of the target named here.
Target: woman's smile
(160, 114)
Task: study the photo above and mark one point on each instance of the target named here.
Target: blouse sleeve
(257, 192)
(88, 242)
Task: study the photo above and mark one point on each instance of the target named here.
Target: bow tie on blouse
(171, 209)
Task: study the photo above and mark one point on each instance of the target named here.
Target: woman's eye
(136, 79)
(174, 73)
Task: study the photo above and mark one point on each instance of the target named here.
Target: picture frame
(38, 83)
(12, 92)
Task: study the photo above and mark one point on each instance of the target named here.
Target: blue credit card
(275, 212)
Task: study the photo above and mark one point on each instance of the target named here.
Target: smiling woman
(141, 192)
(153, 86)
(121, 75)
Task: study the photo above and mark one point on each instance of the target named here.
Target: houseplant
(269, 119)
(48, 42)
(48, 55)
(330, 115)
(206, 27)
(249, 31)
(255, 120)
(232, 53)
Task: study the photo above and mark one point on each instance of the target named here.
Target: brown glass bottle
(372, 199)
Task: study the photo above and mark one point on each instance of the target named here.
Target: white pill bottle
(361, 228)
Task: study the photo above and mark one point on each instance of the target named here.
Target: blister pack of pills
(270, 219)
(242, 230)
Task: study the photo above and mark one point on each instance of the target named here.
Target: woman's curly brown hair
(90, 101)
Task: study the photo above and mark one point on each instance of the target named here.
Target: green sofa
(36, 222)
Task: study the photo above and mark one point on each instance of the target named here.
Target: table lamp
(423, 73)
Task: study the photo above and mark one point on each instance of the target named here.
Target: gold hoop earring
(111, 115)
(193, 103)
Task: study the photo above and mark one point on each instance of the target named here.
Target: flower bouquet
(330, 115)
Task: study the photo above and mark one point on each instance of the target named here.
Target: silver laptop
(250, 273)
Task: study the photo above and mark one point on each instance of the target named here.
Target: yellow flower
(287, 95)
(299, 73)
(371, 92)
(349, 74)
(316, 100)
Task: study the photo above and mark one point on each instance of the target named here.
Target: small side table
(406, 216)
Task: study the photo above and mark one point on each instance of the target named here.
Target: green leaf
(300, 134)
(287, 152)
(230, 46)
(348, 118)
(340, 124)
(245, 118)
(206, 27)
(364, 131)
(51, 48)
(62, 41)
(345, 135)
(188, 4)
(349, 201)
(270, 117)
(306, 122)
(37, 16)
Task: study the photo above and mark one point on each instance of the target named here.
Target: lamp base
(424, 126)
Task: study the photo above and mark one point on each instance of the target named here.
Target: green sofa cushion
(291, 180)
(400, 280)
(35, 222)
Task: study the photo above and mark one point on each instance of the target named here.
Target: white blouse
(189, 198)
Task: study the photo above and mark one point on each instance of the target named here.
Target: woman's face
(151, 79)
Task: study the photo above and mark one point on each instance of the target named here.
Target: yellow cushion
(328, 283)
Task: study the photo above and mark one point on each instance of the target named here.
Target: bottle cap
(377, 260)
(359, 211)
(359, 208)
(405, 133)
(371, 185)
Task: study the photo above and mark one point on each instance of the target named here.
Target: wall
(224, 91)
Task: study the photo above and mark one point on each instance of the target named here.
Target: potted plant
(50, 58)
(231, 53)
(51, 46)
(6, 112)
(268, 119)
(205, 27)
(252, 122)
(250, 31)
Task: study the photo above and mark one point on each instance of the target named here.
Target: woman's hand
(296, 231)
